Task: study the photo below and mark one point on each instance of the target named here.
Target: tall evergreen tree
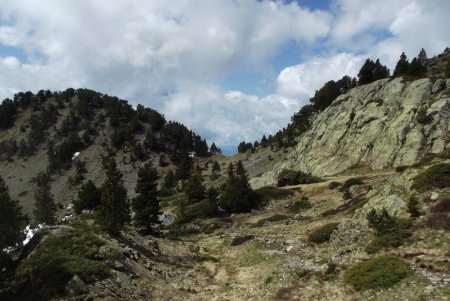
(365, 74)
(114, 210)
(416, 68)
(89, 198)
(213, 149)
(380, 71)
(146, 204)
(194, 188)
(170, 180)
(237, 195)
(422, 57)
(402, 65)
(45, 210)
(12, 221)
(215, 167)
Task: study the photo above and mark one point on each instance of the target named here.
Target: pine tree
(12, 221)
(215, 167)
(194, 188)
(213, 149)
(146, 204)
(89, 198)
(169, 180)
(264, 141)
(45, 210)
(365, 74)
(422, 57)
(237, 195)
(380, 71)
(114, 210)
(402, 65)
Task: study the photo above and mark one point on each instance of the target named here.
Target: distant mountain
(70, 133)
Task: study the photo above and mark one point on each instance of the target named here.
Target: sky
(231, 70)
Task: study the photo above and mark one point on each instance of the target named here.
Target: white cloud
(229, 117)
(151, 45)
(301, 81)
(385, 28)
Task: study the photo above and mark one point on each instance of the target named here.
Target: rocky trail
(246, 259)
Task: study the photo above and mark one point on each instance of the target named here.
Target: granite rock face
(379, 125)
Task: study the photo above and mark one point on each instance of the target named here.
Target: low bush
(202, 209)
(294, 177)
(401, 168)
(268, 193)
(323, 234)
(334, 185)
(413, 206)
(299, 206)
(347, 194)
(273, 218)
(377, 273)
(351, 182)
(442, 206)
(388, 240)
(57, 259)
(438, 221)
(239, 240)
(436, 176)
(390, 231)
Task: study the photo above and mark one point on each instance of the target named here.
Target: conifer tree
(45, 210)
(380, 71)
(365, 74)
(194, 188)
(146, 204)
(215, 167)
(402, 65)
(237, 195)
(213, 149)
(12, 221)
(422, 57)
(114, 210)
(89, 198)
(169, 180)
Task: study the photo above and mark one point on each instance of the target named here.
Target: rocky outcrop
(384, 124)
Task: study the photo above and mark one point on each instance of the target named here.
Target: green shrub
(387, 240)
(57, 259)
(351, 182)
(442, 206)
(376, 273)
(273, 218)
(273, 193)
(401, 168)
(323, 234)
(390, 231)
(300, 205)
(438, 221)
(334, 185)
(239, 240)
(294, 177)
(413, 206)
(346, 194)
(422, 117)
(202, 209)
(436, 176)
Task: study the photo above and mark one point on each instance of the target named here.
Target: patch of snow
(29, 232)
(67, 218)
(75, 155)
